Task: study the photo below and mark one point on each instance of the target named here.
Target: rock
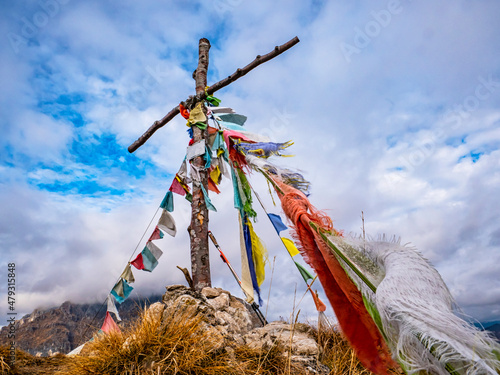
(211, 292)
(301, 343)
(234, 323)
(221, 302)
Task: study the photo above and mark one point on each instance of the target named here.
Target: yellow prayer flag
(290, 246)
(259, 255)
(197, 115)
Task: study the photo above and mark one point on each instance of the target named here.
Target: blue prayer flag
(277, 222)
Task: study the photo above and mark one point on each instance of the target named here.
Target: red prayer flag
(212, 186)
(156, 235)
(109, 324)
(177, 188)
(137, 262)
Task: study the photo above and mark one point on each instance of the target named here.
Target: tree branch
(215, 87)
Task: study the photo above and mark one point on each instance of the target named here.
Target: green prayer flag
(168, 202)
(213, 100)
(234, 118)
(306, 275)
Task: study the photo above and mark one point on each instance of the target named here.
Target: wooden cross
(198, 229)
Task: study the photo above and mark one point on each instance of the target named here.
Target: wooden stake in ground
(198, 229)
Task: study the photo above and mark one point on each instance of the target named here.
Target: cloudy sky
(394, 108)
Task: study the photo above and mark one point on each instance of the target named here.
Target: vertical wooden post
(198, 230)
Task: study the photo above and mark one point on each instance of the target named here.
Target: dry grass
(181, 345)
(186, 346)
(336, 352)
(28, 364)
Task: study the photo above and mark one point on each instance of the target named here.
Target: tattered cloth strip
(208, 202)
(156, 235)
(256, 255)
(288, 176)
(212, 186)
(222, 110)
(246, 277)
(121, 290)
(109, 324)
(414, 308)
(127, 274)
(167, 223)
(242, 193)
(111, 307)
(263, 149)
(231, 126)
(345, 298)
(168, 202)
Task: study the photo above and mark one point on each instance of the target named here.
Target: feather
(416, 309)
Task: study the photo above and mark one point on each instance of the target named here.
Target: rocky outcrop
(232, 322)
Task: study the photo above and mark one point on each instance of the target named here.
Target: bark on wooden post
(198, 230)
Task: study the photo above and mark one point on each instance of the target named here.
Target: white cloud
(353, 124)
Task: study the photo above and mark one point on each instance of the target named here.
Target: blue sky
(394, 108)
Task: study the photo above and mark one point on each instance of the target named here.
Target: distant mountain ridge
(61, 329)
(494, 329)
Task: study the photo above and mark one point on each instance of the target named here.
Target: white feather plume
(416, 310)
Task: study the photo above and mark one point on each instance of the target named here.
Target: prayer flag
(259, 255)
(150, 255)
(320, 306)
(168, 202)
(121, 290)
(208, 202)
(277, 222)
(306, 275)
(197, 115)
(177, 188)
(112, 307)
(138, 263)
(208, 157)
(109, 324)
(127, 274)
(248, 247)
(167, 223)
(212, 100)
(290, 246)
(212, 186)
(222, 110)
(156, 235)
(234, 118)
(246, 278)
(196, 149)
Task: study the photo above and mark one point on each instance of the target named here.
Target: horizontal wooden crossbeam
(215, 87)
